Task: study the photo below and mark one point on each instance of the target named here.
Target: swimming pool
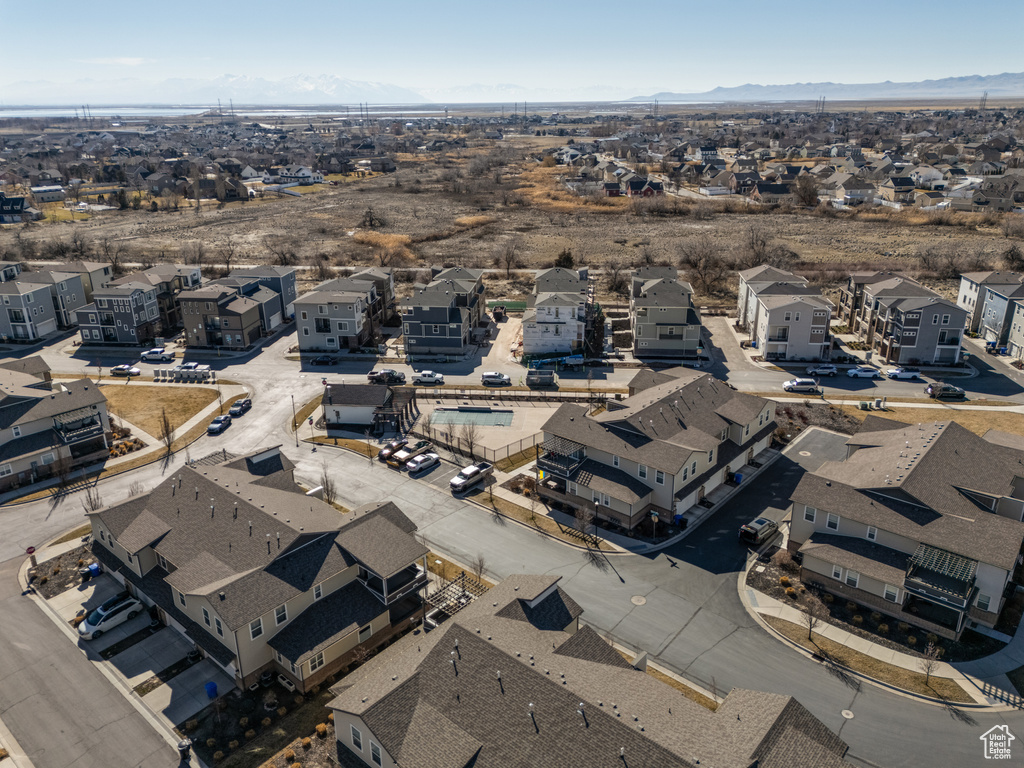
(483, 417)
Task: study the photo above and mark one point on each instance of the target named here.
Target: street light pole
(295, 427)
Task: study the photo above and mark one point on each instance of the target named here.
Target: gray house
(974, 287)
(329, 319)
(665, 323)
(439, 318)
(67, 291)
(278, 279)
(121, 314)
(26, 311)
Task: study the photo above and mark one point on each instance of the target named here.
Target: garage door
(47, 326)
(275, 320)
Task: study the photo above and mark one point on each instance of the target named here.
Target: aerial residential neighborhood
(655, 432)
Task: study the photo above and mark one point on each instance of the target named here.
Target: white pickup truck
(470, 476)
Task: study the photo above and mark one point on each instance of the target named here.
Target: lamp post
(654, 523)
(295, 426)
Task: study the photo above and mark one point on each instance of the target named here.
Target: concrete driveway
(88, 596)
(154, 654)
(182, 696)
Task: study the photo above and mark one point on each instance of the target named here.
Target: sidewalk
(983, 680)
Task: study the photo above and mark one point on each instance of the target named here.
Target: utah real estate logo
(997, 742)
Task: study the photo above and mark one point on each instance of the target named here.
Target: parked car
(423, 462)
(822, 370)
(759, 531)
(125, 370)
(117, 610)
(470, 476)
(903, 373)
(864, 372)
(240, 407)
(402, 455)
(495, 379)
(189, 366)
(385, 376)
(431, 378)
(801, 385)
(157, 355)
(938, 389)
(322, 360)
(218, 425)
(394, 445)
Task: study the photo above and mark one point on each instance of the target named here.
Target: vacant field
(465, 207)
(143, 405)
(978, 422)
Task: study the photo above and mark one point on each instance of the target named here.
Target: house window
(305, 331)
(615, 461)
(304, 315)
(872, 533)
(218, 626)
(788, 317)
(357, 738)
(891, 593)
(945, 319)
(434, 329)
(364, 633)
(255, 629)
(810, 513)
(984, 601)
(659, 477)
(837, 573)
(281, 614)
(686, 472)
(318, 591)
(47, 458)
(375, 753)
(103, 536)
(641, 471)
(130, 558)
(935, 319)
(181, 599)
(833, 522)
(322, 309)
(206, 618)
(693, 469)
(316, 662)
(852, 579)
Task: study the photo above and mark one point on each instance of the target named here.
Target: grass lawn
(78, 533)
(936, 687)
(978, 422)
(142, 406)
(539, 520)
(359, 446)
(448, 570)
(306, 411)
(516, 460)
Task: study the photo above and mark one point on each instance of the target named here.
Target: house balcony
(779, 338)
(405, 582)
(78, 434)
(559, 464)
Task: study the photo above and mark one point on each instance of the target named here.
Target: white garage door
(47, 326)
(275, 320)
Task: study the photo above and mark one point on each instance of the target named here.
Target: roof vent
(221, 595)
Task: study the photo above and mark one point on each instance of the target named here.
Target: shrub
(828, 598)
(912, 640)
(56, 570)
(790, 592)
(784, 581)
(876, 616)
(321, 730)
(218, 756)
(233, 744)
(299, 700)
(81, 562)
(851, 606)
(784, 560)
(191, 725)
(903, 627)
(250, 734)
(307, 742)
(883, 629)
(43, 580)
(282, 711)
(243, 721)
(289, 755)
(315, 690)
(211, 743)
(330, 718)
(932, 638)
(265, 722)
(858, 619)
(77, 620)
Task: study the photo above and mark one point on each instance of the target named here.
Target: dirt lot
(144, 405)
(462, 208)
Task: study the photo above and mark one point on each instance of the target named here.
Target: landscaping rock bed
(792, 419)
(59, 574)
(317, 750)
(887, 631)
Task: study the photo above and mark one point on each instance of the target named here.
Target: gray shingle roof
(865, 557)
(356, 394)
(380, 545)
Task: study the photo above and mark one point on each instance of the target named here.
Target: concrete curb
(158, 723)
(15, 753)
(754, 614)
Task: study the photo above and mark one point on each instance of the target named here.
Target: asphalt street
(692, 620)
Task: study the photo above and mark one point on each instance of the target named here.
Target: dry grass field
(465, 206)
(143, 405)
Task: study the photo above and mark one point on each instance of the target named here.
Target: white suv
(157, 355)
(117, 610)
(801, 385)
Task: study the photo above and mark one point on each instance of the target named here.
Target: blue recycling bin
(94, 569)
(211, 690)
(738, 477)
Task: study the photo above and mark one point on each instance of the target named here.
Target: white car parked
(422, 462)
(430, 378)
(115, 611)
(864, 372)
(903, 373)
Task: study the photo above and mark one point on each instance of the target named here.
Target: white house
(555, 319)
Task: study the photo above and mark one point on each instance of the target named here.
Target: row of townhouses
(785, 317)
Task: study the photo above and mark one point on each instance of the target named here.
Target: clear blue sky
(627, 48)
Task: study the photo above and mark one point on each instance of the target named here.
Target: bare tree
(62, 470)
(930, 661)
(283, 248)
(584, 521)
(114, 254)
(508, 255)
(220, 399)
(369, 445)
(328, 485)
(92, 499)
(617, 282)
(477, 566)
(99, 373)
(427, 424)
(165, 430)
(136, 489)
(813, 614)
(806, 189)
(704, 263)
(470, 433)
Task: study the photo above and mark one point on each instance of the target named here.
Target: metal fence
(498, 395)
(456, 444)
